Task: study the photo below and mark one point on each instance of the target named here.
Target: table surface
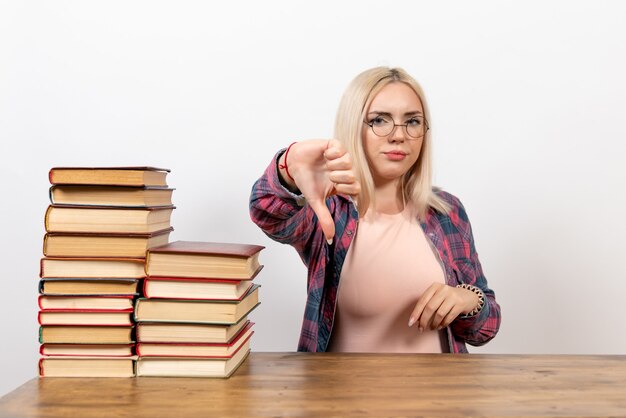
(333, 384)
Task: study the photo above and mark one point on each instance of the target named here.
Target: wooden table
(327, 384)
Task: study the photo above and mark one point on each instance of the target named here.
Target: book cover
(94, 244)
(114, 176)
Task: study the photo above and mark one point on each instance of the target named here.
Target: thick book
(72, 334)
(92, 267)
(105, 219)
(47, 302)
(150, 332)
(204, 259)
(86, 317)
(184, 288)
(83, 244)
(224, 350)
(192, 367)
(88, 286)
(119, 196)
(197, 311)
(87, 350)
(114, 176)
(86, 367)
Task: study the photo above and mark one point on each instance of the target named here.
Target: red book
(86, 317)
(165, 349)
(90, 303)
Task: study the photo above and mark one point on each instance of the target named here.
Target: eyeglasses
(384, 125)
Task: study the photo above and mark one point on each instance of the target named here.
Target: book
(88, 286)
(85, 302)
(120, 176)
(107, 219)
(204, 259)
(92, 267)
(85, 317)
(87, 350)
(111, 196)
(192, 367)
(72, 334)
(86, 367)
(197, 311)
(82, 244)
(166, 349)
(183, 288)
(188, 333)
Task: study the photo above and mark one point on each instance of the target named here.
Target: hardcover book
(106, 219)
(86, 317)
(47, 302)
(111, 196)
(204, 259)
(166, 349)
(116, 176)
(88, 286)
(188, 333)
(197, 311)
(85, 244)
(183, 288)
(87, 350)
(73, 334)
(86, 367)
(92, 267)
(192, 367)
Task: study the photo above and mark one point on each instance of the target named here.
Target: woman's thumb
(324, 218)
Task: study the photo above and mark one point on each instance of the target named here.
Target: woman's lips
(395, 155)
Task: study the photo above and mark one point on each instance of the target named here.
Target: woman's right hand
(320, 169)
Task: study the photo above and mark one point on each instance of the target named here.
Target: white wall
(527, 103)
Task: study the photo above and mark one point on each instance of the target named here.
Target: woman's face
(391, 156)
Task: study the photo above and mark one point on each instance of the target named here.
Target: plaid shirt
(286, 218)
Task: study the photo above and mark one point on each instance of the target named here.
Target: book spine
(145, 288)
(40, 335)
(39, 302)
(41, 373)
(51, 176)
(41, 269)
(46, 220)
(45, 245)
(50, 195)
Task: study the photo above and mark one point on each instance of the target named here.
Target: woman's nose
(397, 135)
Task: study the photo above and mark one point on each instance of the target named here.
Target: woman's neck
(389, 197)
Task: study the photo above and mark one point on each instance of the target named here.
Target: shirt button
(349, 233)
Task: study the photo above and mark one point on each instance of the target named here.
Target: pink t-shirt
(389, 265)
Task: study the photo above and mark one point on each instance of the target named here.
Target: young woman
(392, 265)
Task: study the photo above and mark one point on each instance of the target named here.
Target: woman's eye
(413, 122)
(379, 120)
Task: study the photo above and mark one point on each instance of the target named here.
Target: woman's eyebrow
(410, 113)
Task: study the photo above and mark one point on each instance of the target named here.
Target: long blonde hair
(417, 182)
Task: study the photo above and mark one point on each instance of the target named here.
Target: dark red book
(204, 259)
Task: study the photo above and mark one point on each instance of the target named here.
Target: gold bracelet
(481, 298)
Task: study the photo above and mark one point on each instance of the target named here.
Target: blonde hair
(417, 182)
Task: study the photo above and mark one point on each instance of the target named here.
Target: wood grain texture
(331, 384)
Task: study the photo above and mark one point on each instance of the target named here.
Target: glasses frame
(404, 125)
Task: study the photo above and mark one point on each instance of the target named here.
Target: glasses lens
(416, 127)
(382, 125)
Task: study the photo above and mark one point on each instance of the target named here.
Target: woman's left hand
(440, 304)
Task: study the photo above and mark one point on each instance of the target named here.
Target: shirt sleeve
(282, 215)
(478, 329)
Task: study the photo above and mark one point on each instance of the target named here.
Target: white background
(527, 102)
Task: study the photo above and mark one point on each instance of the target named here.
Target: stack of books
(193, 317)
(99, 226)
